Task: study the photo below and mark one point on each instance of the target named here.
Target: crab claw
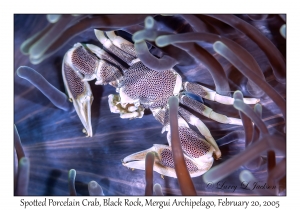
(163, 162)
(79, 92)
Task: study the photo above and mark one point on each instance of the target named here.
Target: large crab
(131, 110)
(139, 88)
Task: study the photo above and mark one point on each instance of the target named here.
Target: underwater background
(53, 141)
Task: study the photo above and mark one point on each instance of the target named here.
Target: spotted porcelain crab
(139, 88)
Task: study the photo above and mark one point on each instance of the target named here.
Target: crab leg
(104, 55)
(163, 162)
(118, 46)
(208, 112)
(197, 153)
(192, 144)
(191, 119)
(122, 43)
(211, 95)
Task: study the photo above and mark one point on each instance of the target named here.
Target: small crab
(138, 88)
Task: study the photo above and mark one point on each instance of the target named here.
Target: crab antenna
(58, 98)
(95, 189)
(231, 137)
(185, 182)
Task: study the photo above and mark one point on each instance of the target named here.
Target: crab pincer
(78, 90)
